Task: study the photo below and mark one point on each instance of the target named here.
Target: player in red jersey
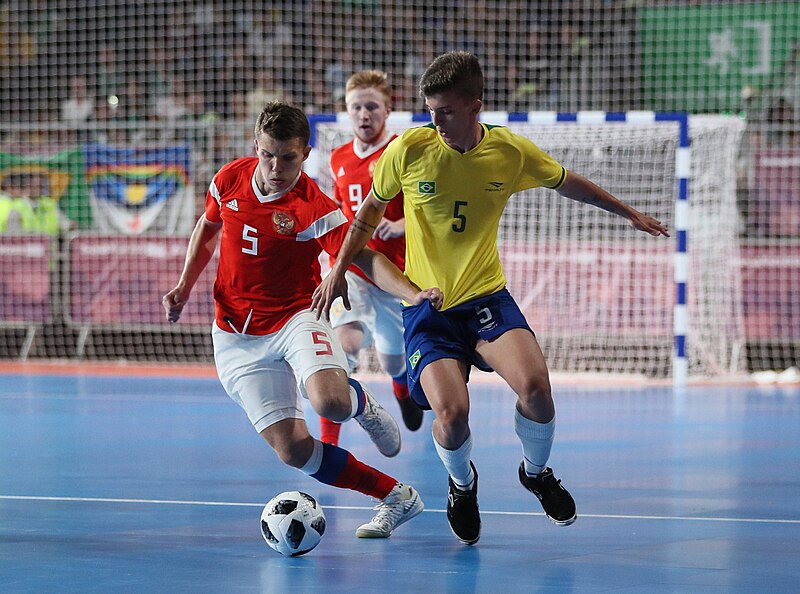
(268, 347)
(374, 315)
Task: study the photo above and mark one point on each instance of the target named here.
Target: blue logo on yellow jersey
(427, 187)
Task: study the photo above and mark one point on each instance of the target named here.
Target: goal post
(602, 297)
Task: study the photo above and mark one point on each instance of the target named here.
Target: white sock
(537, 441)
(457, 463)
(315, 461)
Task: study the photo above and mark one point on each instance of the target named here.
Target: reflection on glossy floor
(155, 484)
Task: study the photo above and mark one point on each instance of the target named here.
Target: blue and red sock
(360, 400)
(340, 468)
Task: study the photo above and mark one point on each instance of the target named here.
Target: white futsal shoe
(398, 507)
(380, 426)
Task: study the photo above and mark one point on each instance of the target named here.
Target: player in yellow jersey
(456, 176)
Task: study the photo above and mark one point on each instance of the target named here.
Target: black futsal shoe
(462, 511)
(558, 504)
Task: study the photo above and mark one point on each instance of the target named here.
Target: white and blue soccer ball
(292, 523)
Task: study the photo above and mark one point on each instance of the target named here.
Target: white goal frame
(680, 367)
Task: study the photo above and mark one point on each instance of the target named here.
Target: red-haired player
(375, 316)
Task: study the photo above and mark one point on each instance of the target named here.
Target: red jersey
(270, 247)
(352, 175)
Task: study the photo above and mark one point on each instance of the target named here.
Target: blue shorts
(452, 334)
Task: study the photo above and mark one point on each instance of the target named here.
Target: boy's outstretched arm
(581, 189)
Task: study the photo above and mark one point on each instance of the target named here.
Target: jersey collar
(372, 148)
(264, 198)
(484, 135)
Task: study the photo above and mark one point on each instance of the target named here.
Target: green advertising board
(711, 57)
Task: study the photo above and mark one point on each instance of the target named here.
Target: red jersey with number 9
(352, 175)
(270, 246)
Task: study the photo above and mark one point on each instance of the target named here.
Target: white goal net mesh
(599, 294)
(114, 115)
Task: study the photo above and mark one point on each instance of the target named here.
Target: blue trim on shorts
(431, 335)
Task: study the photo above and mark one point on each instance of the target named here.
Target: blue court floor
(156, 484)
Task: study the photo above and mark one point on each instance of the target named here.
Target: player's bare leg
(444, 383)
(335, 466)
(335, 396)
(517, 358)
(351, 337)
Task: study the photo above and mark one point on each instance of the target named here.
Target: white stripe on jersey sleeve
(215, 192)
(322, 225)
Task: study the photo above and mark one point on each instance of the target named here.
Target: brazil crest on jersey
(270, 247)
(453, 204)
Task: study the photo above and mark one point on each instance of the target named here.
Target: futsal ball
(292, 523)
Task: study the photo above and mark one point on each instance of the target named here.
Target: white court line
(354, 507)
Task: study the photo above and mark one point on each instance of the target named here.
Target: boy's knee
(453, 418)
(293, 452)
(535, 387)
(329, 393)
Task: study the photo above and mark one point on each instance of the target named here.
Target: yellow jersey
(453, 204)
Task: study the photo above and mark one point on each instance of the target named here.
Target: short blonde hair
(371, 79)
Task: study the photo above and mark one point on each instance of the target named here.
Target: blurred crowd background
(88, 87)
(160, 59)
(133, 72)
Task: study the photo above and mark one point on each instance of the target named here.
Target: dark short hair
(459, 72)
(283, 122)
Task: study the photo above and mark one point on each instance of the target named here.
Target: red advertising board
(771, 292)
(773, 210)
(119, 280)
(614, 288)
(25, 276)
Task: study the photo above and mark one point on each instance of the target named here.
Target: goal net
(111, 111)
(599, 294)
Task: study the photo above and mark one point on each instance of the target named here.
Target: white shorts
(266, 375)
(378, 312)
